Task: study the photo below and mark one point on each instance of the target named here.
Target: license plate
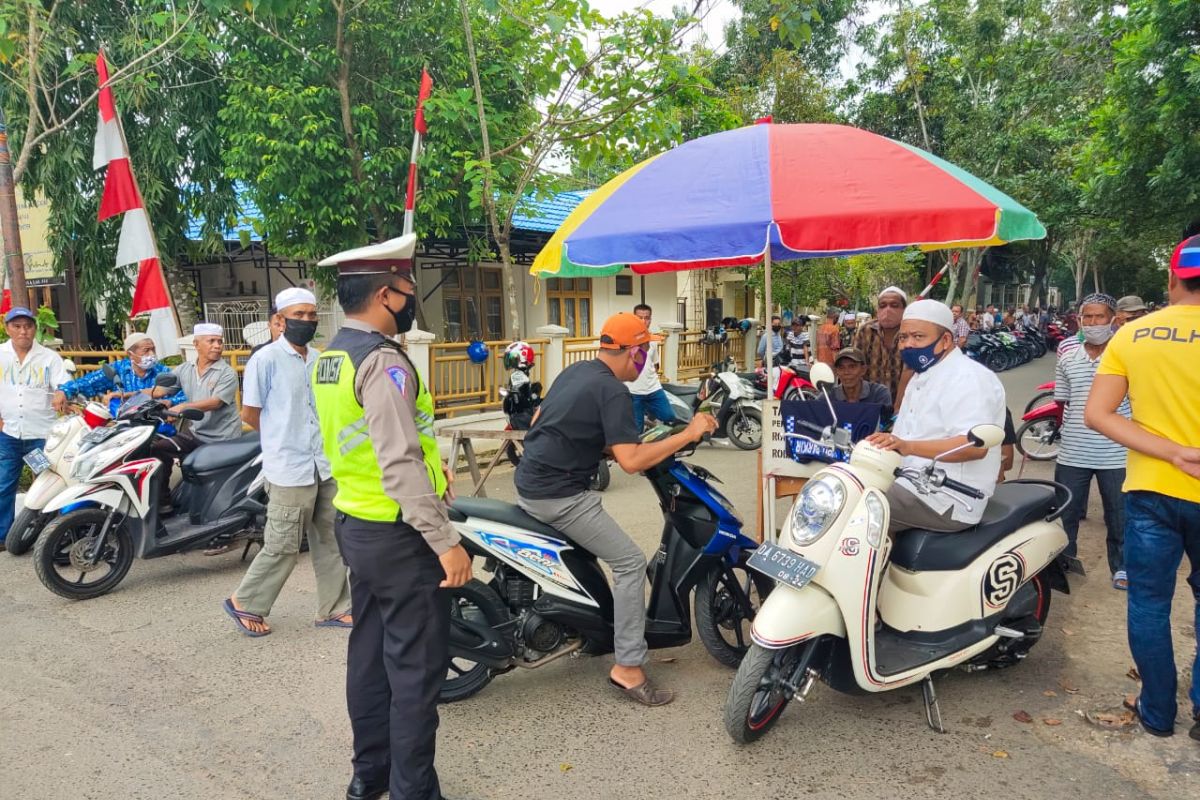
(783, 565)
(37, 461)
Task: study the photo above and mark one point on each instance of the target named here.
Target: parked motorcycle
(1045, 393)
(863, 613)
(111, 515)
(51, 467)
(731, 399)
(789, 379)
(548, 597)
(1040, 436)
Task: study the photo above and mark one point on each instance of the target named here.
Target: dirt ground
(149, 692)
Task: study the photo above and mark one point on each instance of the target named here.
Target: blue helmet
(478, 352)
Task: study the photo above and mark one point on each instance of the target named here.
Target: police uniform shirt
(386, 386)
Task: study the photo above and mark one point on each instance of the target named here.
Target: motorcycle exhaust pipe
(479, 643)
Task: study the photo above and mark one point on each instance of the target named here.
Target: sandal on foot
(645, 693)
(240, 618)
(1135, 707)
(1120, 580)
(344, 620)
(218, 549)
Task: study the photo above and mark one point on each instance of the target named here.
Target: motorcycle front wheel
(60, 557)
(727, 598)
(1039, 439)
(602, 478)
(764, 685)
(24, 531)
(745, 428)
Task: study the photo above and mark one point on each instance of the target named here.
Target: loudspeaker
(714, 310)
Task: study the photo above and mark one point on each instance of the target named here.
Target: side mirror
(194, 414)
(988, 436)
(167, 380)
(822, 373)
(111, 374)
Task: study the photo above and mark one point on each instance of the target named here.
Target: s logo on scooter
(1002, 580)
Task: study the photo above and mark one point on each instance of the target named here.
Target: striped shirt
(1082, 446)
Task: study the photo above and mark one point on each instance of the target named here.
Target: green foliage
(47, 324)
(854, 279)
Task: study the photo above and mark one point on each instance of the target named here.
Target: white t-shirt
(647, 382)
(947, 400)
(26, 388)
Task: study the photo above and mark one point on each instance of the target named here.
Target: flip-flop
(1135, 707)
(645, 693)
(240, 617)
(335, 622)
(1120, 580)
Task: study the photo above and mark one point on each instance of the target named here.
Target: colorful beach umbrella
(801, 191)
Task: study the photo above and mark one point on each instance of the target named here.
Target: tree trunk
(183, 293)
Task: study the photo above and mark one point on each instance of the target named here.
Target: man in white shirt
(277, 401)
(29, 374)
(646, 390)
(948, 395)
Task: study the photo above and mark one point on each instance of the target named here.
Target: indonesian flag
(136, 245)
(423, 95)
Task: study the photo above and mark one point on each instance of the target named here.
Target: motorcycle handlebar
(962, 488)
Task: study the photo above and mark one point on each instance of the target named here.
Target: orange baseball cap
(625, 330)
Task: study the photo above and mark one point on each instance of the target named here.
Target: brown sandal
(646, 693)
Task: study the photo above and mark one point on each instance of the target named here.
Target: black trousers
(397, 656)
(168, 450)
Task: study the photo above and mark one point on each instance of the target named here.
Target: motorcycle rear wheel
(722, 619)
(602, 478)
(745, 428)
(1039, 439)
(479, 603)
(796, 393)
(24, 531)
(1038, 399)
(760, 693)
(61, 547)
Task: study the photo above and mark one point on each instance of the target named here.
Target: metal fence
(696, 356)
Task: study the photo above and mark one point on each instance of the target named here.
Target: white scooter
(52, 468)
(863, 613)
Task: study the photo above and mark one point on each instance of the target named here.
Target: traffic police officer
(376, 417)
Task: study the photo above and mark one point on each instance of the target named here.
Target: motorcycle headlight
(85, 462)
(57, 434)
(816, 508)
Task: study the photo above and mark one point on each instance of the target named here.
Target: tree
(165, 73)
(853, 281)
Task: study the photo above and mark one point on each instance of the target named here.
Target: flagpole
(410, 198)
(171, 347)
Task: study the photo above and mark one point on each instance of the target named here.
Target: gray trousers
(585, 521)
(910, 511)
(292, 511)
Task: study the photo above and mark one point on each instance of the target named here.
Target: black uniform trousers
(397, 656)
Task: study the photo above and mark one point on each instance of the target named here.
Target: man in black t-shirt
(586, 412)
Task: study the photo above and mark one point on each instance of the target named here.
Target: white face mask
(147, 361)
(1097, 334)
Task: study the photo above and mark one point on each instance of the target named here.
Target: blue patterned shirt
(96, 383)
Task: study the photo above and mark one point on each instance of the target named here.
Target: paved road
(150, 693)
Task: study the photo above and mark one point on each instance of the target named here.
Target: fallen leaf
(667, 660)
(1110, 719)
(1000, 754)
(1067, 686)
(1022, 716)
(1051, 721)
(1050, 693)
(1133, 674)
(1068, 632)
(565, 767)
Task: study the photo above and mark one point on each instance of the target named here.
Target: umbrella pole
(766, 482)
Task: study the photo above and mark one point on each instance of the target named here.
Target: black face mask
(775, 328)
(298, 331)
(407, 315)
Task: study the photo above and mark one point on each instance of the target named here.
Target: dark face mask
(298, 331)
(407, 315)
(775, 328)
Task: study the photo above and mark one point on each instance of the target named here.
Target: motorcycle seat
(1013, 506)
(682, 391)
(499, 511)
(214, 456)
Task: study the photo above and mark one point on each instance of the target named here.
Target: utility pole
(10, 225)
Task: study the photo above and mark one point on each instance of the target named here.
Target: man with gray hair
(1084, 453)
(948, 395)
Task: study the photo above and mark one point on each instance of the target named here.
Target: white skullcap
(294, 296)
(133, 339)
(895, 290)
(933, 311)
(207, 329)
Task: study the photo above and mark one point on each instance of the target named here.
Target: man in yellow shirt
(1153, 359)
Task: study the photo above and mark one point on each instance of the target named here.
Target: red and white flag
(136, 245)
(419, 130)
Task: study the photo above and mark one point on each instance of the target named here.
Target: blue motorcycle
(548, 597)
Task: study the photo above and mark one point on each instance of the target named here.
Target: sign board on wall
(34, 219)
